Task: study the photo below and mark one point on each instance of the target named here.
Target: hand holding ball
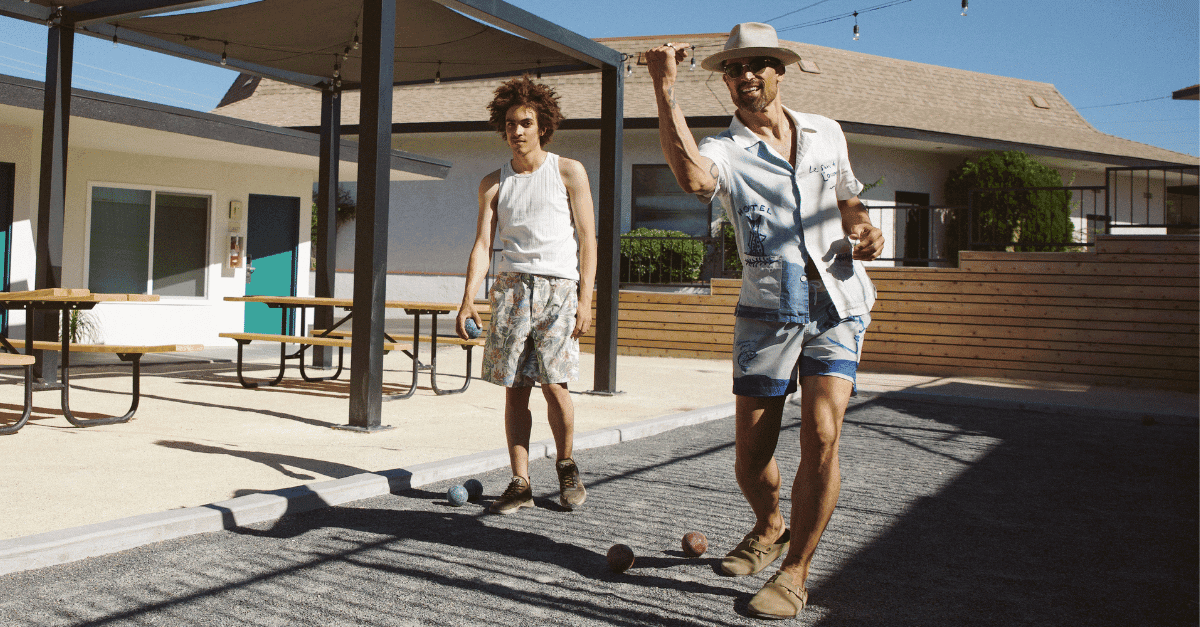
(473, 330)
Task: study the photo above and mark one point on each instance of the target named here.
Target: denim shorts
(529, 339)
(768, 357)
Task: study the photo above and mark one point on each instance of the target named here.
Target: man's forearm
(678, 146)
(477, 267)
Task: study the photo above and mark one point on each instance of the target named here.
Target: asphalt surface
(949, 515)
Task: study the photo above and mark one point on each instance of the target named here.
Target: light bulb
(628, 69)
(224, 57)
(692, 65)
(356, 42)
(964, 11)
(437, 76)
(856, 32)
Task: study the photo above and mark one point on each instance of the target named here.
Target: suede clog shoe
(780, 598)
(752, 555)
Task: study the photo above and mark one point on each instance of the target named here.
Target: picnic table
(338, 336)
(65, 301)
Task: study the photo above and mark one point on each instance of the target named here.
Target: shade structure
(315, 43)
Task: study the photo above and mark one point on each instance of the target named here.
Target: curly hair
(524, 92)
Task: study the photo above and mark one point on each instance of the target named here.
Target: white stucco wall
(19, 146)
(171, 320)
(432, 224)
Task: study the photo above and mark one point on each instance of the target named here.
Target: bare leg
(560, 412)
(818, 482)
(757, 473)
(517, 423)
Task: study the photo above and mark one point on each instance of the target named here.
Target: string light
(539, 69)
(437, 76)
(114, 35)
(964, 13)
(628, 66)
(224, 57)
(356, 42)
(692, 67)
(856, 25)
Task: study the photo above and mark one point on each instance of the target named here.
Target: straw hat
(750, 39)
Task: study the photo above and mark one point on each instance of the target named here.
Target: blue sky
(1117, 61)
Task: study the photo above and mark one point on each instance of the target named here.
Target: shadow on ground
(950, 515)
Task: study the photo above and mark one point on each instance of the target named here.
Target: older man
(784, 180)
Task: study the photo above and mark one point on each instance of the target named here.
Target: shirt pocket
(762, 282)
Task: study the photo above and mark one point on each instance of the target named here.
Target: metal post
(327, 196)
(612, 127)
(371, 217)
(56, 113)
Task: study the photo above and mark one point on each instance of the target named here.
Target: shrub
(657, 256)
(1020, 220)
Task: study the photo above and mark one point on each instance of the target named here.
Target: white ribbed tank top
(534, 231)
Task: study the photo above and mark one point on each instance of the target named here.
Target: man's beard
(756, 102)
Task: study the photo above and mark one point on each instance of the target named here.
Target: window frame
(707, 210)
(154, 191)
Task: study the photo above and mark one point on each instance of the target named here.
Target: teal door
(272, 237)
(8, 182)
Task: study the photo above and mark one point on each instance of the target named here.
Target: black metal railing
(1162, 198)
(915, 234)
(1031, 219)
(677, 261)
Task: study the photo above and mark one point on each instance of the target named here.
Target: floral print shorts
(529, 339)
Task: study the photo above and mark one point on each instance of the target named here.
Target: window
(659, 203)
(148, 242)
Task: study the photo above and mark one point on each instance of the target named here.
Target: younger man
(538, 208)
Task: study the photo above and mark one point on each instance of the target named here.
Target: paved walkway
(951, 513)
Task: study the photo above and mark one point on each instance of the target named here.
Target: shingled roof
(869, 94)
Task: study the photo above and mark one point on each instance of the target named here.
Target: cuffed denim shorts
(529, 339)
(769, 357)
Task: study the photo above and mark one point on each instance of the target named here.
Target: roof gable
(851, 87)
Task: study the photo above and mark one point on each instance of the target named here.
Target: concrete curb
(77, 543)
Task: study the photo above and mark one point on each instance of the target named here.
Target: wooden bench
(243, 339)
(466, 345)
(125, 352)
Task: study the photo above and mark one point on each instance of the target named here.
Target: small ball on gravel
(457, 495)
(474, 489)
(694, 544)
(620, 558)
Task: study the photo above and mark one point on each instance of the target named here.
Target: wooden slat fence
(1123, 314)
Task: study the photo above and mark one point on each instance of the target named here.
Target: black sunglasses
(755, 66)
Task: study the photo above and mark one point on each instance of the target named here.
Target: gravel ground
(949, 515)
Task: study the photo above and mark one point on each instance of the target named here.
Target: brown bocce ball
(620, 558)
(694, 544)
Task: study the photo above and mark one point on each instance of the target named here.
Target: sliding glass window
(148, 242)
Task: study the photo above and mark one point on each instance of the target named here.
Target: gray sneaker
(571, 492)
(517, 495)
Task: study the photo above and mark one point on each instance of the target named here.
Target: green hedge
(673, 257)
